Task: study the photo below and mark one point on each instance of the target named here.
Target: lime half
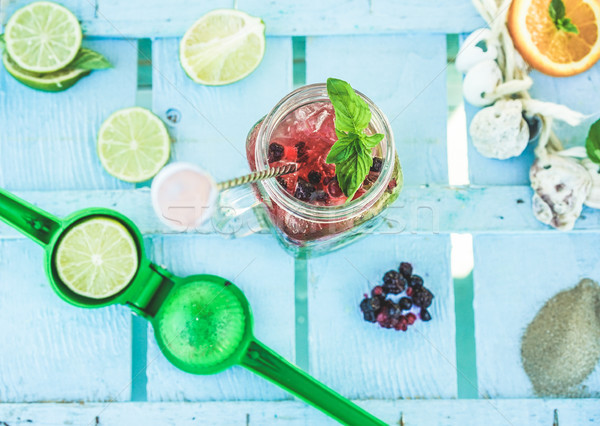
(222, 47)
(97, 258)
(42, 37)
(133, 144)
(51, 82)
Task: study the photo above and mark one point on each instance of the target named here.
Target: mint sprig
(87, 59)
(592, 143)
(557, 14)
(351, 153)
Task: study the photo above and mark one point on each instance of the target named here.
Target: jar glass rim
(306, 95)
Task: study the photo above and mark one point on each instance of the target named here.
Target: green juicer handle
(266, 363)
(34, 222)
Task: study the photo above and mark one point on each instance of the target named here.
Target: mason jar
(312, 226)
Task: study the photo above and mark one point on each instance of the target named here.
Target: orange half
(550, 50)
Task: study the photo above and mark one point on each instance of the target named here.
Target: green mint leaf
(351, 153)
(342, 149)
(557, 11)
(592, 143)
(353, 172)
(371, 141)
(352, 114)
(482, 44)
(568, 26)
(88, 59)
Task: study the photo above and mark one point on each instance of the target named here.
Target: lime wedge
(42, 37)
(222, 47)
(133, 144)
(97, 258)
(52, 82)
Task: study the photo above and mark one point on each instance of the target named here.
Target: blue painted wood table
(62, 365)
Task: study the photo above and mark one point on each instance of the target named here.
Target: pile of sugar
(561, 346)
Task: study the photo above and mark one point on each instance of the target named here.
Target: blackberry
(425, 315)
(376, 302)
(371, 304)
(415, 280)
(377, 163)
(370, 316)
(314, 177)
(405, 303)
(393, 282)
(421, 296)
(304, 190)
(275, 152)
(406, 270)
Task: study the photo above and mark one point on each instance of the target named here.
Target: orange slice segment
(551, 50)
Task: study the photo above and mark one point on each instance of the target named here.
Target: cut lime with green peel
(42, 37)
(133, 144)
(222, 47)
(97, 258)
(51, 82)
(201, 324)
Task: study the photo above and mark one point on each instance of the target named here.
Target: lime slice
(133, 144)
(51, 82)
(97, 258)
(43, 37)
(222, 47)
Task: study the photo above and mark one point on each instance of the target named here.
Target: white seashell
(481, 79)
(477, 48)
(499, 131)
(561, 186)
(593, 198)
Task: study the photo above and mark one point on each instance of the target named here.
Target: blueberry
(425, 315)
(406, 270)
(405, 303)
(275, 152)
(304, 190)
(377, 163)
(415, 281)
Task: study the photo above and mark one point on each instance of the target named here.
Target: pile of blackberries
(389, 308)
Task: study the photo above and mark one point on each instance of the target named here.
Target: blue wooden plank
(531, 412)
(266, 275)
(116, 18)
(52, 351)
(406, 77)
(214, 121)
(432, 209)
(514, 276)
(362, 360)
(48, 140)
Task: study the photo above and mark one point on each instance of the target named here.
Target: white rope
(517, 81)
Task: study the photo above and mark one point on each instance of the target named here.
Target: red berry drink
(305, 210)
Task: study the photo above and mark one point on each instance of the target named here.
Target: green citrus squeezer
(203, 323)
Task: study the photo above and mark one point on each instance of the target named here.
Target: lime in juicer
(202, 323)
